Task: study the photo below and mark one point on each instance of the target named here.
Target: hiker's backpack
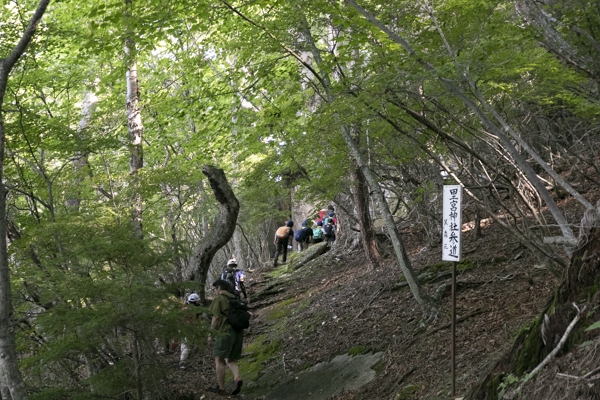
(329, 230)
(228, 275)
(301, 234)
(317, 233)
(282, 232)
(237, 315)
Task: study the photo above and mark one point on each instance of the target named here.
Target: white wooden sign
(452, 223)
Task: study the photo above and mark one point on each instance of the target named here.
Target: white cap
(233, 261)
(193, 298)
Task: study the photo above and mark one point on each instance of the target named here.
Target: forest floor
(336, 305)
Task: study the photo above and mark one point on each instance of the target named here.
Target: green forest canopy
(276, 93)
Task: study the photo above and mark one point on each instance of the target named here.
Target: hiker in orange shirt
(284, 237)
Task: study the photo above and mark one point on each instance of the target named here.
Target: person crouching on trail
(228, 346)
(284, 237)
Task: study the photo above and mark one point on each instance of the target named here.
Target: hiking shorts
(230, 345)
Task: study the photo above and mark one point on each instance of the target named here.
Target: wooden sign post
(451, 251)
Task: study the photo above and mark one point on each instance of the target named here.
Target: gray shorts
(229, 345)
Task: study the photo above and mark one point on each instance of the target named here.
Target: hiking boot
(217, 390)
(237, 386)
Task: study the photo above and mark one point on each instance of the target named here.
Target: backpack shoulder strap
(228, 300)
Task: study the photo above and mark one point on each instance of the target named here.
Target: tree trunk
(360, 194)
(11, 379)
(137, 361)
(544, 24)
(135, 128)
(220, 232)
(81, 165)
(425, 302)
(580, 279)
(498, 128)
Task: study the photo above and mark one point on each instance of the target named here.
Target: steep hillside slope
(309, 313)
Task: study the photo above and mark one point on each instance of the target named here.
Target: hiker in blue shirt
(303, 236)
(284, 237)
(330, 216)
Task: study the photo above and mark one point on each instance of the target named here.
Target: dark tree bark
(360, 194)
(219, 233)
(11, 381)
(535, 342)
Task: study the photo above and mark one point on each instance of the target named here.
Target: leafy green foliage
(595, 325)
(242, 89)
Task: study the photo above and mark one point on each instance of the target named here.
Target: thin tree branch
(272, 36)
(553, 353)
(10, 61)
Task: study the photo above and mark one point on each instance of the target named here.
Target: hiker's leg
(277, 252)
(220, 369)
(235, 370)
(284, 253)
(235, 351)
(237, 381)
(185, 351)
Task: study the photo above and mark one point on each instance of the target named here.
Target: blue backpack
(301, 234)
(329, 230)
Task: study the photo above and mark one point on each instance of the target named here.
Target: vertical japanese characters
(452, 223)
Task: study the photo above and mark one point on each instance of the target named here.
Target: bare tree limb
(555, 351)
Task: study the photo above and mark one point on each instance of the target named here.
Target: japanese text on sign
(452, 223)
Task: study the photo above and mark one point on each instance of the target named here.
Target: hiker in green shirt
(227, 347)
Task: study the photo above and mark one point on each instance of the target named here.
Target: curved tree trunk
(535, 342)
(220, 232)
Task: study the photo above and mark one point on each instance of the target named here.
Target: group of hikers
(229, 312)
(322, 229)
